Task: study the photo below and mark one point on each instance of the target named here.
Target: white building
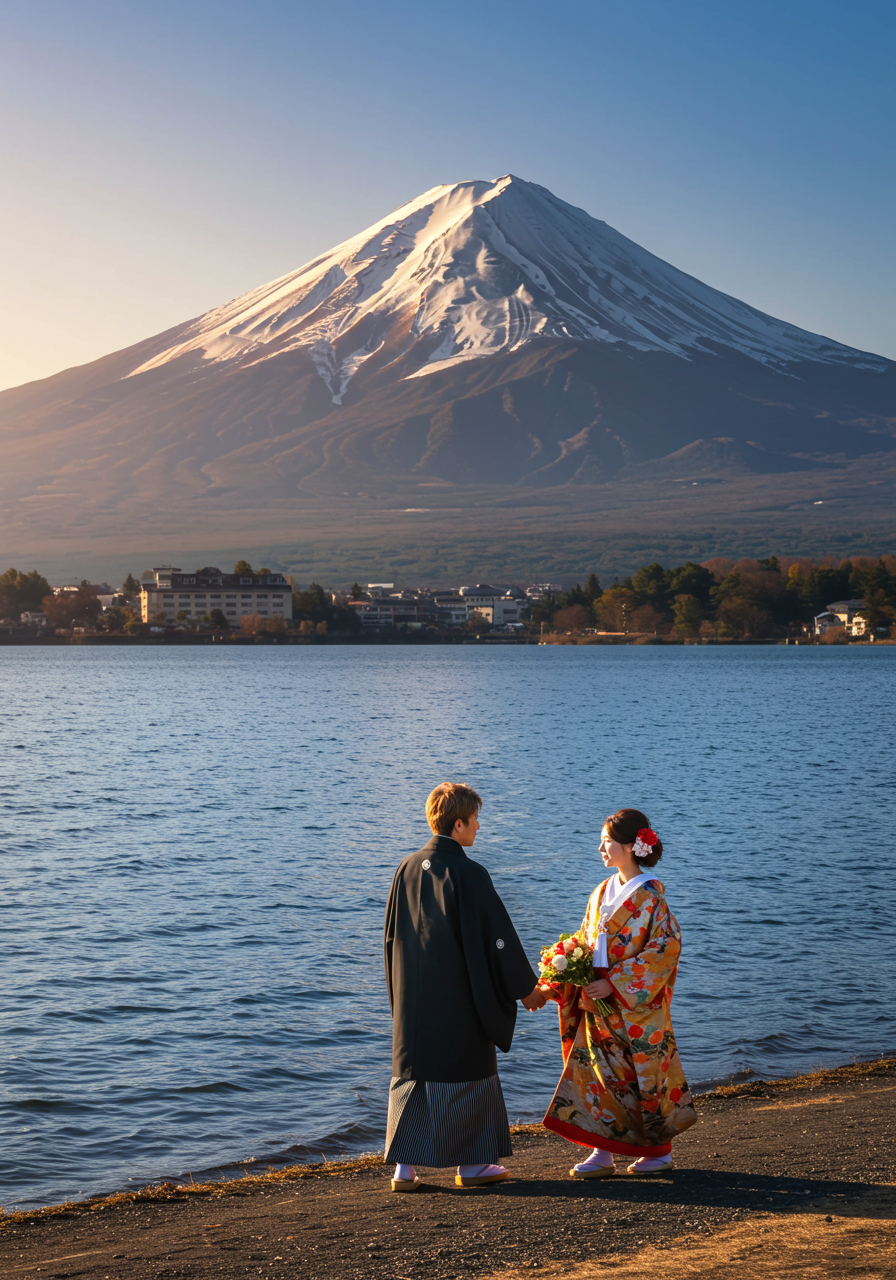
(842, 613)
(386, 612)
(168, 593)
(500, 608)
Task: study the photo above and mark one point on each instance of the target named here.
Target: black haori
(455, 969)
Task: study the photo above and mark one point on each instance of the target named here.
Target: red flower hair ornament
(644, 842)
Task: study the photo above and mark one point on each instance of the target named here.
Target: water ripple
(195, 848)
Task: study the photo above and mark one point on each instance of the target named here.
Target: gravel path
(797, 1177)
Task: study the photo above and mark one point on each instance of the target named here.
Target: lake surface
(196, 847)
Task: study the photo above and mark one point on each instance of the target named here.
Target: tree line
(724, 598)
(313, 610)
(31, 593)
(721, 598)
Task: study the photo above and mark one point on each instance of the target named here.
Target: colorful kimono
(623, 1088)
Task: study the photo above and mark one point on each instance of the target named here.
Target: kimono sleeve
(591, 911)
(643, 979)
(389, 937)
(498, 968)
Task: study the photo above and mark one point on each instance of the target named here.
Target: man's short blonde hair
(448, 802)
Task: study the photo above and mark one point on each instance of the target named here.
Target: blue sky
(161, 158)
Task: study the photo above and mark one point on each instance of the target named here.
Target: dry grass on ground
(823, 1244)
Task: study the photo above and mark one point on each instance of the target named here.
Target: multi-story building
(387, 612)
(500, 608)
(453, 611)
(440, 608)
(169, 593)
(842, 613)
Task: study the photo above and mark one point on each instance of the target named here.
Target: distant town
(794, 600)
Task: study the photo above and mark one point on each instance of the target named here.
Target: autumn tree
(647, 618)
(79, 608)
(575, 618)
(253, 624)
(615, 609)
(22, 593)
(741, 618)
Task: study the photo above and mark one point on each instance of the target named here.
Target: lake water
(196, 847)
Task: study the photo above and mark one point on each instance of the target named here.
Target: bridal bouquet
(570, 960)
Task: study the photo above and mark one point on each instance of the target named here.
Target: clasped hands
(535, 1000)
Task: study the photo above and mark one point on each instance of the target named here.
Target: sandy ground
(777, 1180)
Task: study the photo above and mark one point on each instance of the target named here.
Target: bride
(623, 1090)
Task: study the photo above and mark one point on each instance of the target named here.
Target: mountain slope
(485, 334)
(478, 269)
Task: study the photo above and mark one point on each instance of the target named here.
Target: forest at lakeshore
(720, 599)
(726, 599)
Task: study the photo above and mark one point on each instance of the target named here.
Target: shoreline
(755, 1086)
(189, 639)
(779, 1178)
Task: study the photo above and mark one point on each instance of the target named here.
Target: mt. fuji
(485, 342)
(481, 269)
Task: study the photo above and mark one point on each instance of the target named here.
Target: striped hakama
(436, 1123)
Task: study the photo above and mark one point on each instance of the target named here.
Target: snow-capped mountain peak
(481, 268)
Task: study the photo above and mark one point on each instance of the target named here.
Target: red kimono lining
(573, 1133)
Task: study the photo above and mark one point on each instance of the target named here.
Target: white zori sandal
(405, 1178)
(648, 1165)
(598, 1165)
(477, 1175)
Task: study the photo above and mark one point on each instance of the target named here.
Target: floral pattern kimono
(623, 1088)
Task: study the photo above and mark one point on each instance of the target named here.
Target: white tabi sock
(648, 1164)
(405, 1173)
(479, 1170)
(598, 1159)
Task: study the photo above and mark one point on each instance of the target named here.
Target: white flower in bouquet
(571, 961)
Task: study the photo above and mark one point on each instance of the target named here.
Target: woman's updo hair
(624, 825)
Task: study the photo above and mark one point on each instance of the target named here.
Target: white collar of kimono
(616, 892)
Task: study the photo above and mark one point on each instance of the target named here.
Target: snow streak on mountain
(482, 268)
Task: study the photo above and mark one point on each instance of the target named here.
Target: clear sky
(159, 158)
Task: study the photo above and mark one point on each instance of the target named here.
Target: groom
(455, 969)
